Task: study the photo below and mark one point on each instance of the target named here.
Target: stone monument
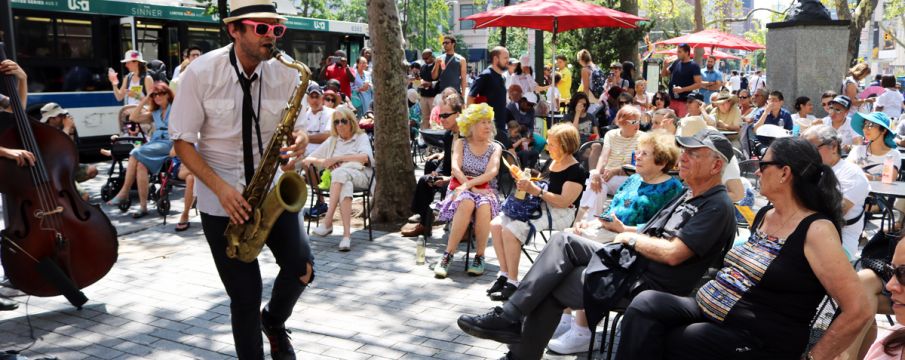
(806, 53)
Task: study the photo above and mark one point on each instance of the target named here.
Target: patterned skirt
(448, 206)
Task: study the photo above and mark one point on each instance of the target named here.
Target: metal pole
(424, 25)
(6, 19)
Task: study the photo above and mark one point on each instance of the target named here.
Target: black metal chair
(364, 194)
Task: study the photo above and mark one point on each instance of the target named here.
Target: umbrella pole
(553, 106)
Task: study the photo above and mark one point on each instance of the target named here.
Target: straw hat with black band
(252, 9)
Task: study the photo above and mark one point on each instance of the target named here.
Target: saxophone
(289, 194)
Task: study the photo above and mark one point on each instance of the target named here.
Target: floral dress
(472, 166)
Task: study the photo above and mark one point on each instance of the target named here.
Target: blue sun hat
(878, 118)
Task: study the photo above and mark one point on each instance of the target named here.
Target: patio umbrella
(554, 16)
(713, 38)
(717, 54)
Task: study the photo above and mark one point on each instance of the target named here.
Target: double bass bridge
(43, 214)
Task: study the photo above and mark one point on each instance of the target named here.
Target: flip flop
(139, 214)
(183, 226)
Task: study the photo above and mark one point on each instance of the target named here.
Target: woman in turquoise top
(362, 87)
(150, 157)
(637, 201)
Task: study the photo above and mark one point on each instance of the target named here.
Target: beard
(257, 50)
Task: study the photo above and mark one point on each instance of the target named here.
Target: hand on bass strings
(21, 157)
(9, 67)
(235, 205)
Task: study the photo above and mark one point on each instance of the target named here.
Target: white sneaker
(572, 342)
(565, 324)
(322, 230)
(345, 244)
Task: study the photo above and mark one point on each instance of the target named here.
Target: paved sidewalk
(164, 300)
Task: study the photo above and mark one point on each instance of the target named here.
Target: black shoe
(497, 285)
(280, 345)
(7, 305)
(492, 326)
(504, 293)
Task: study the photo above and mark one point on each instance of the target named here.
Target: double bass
(54, 242)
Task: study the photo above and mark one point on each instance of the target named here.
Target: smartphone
(607, 218)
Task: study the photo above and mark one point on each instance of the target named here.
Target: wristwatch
(631, 242)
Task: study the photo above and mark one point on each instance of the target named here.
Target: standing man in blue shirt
(773, 113)
(684, 77)
(491, 88)
(712, 80)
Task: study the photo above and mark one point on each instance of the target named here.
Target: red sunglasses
(264, 29)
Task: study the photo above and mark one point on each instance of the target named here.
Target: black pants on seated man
(243, 284)
(424, 195)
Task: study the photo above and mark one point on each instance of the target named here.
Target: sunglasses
(743, 97)
(330, 99)
(763, 164)
(633, 122)
(869, 125)
(447, 42)
(898, 272)
(340, 121)
(155, 94)
(837, 110)
(264, 29)
(446, 115)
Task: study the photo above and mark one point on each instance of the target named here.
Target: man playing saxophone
(228, 106)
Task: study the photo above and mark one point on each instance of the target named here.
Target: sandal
(138, 214)
(116, 200)
(183, 226)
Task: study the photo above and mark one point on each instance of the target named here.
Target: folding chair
(364, 194)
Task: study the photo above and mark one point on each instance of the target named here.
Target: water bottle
(889, 169)
(523, 175)
(419, 251)
(633, 157)
(796, 130)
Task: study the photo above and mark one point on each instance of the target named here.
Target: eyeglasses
(264, 29)
(340, 121)
(446, 115)
(763, 164)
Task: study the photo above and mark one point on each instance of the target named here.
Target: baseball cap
(842, 100)
(51, 110)
(694, 95)
(615, 65)
(313, 87)
(530, 97)
(708, 138)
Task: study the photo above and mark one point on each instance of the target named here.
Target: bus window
(37, 32)
(74, 39)
(207, 38)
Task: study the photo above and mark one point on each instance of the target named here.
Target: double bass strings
(38, 172)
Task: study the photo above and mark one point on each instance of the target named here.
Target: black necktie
(248, 115)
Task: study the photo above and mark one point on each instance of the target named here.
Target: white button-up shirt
(207, 112)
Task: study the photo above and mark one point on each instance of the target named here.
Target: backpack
(598, 80)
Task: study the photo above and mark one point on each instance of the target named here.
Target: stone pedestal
(806, 59)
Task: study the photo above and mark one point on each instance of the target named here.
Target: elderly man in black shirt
(680, 243)
(436, 180)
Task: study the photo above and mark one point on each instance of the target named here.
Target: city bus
(67, 46)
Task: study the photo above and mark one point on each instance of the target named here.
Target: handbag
(356, 100)
(454, 183)
(881, 246)
(526, 209)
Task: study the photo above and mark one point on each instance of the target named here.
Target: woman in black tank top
(760, 303)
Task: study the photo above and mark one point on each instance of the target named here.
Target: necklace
(784, 223)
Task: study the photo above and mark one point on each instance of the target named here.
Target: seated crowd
(700, 293)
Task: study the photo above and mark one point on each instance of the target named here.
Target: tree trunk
(394, 168)
(698, 26)
(503, 30)
(630, 50)
(864, 11)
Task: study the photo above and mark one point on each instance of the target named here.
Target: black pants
(658, 325)
(421, 202)
(243, 284)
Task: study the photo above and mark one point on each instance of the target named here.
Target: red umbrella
(716, 53)
(713, 38)
(554, 16)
